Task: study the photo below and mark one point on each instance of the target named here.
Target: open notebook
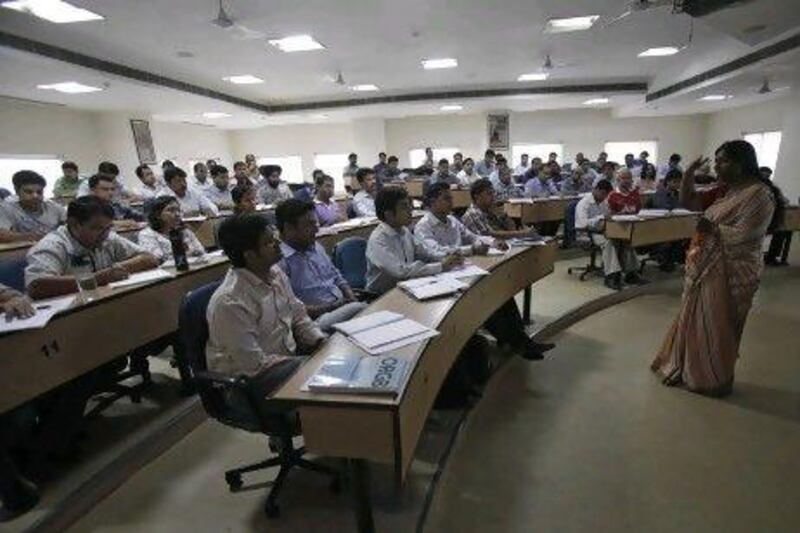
(356, 373)
(383, 331)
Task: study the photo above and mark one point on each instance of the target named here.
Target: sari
(723, 269)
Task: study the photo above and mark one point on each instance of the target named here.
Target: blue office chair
(229, 401)
(12, 273)
(350, 257)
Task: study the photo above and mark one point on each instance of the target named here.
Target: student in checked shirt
(327, 210)
(257, 326)
(219, 190)
(481, 218)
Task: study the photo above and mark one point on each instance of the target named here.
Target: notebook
(432, 287)
(361, 374)
(383, 331)
(142, 277)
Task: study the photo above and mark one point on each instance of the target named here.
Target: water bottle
(178, 249)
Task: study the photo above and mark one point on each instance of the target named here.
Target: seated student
(244, 200)
(107, 168)
(504, 187)
(590, 214)
(391, 172)
(552, 161)
(252, 168)
(192, 202)
(351, 168)
(271, 190)
(533, 171)
(647, 181)
(85, 244)
(241, 176)
(578, 183)
(164, 217)
(219, 190)
(327, 210)
(425, 169)
(200, 179)
(29, 217)
(67, 185)
(481, 218)
(393, 254)
(364, 200)
(102, 186)
(500, 163)
(458, 163)
(544, 185)
(256, 325)
(442, 174)
(150, 186)
(608, 172)
(468, 176)
(522, 168)
(485, 167)
(380, 168)
(674, 163)
(626, 199)
(315, 281)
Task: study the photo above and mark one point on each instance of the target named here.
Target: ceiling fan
(225, 21)
(637, 6)
(766, 88)
(549, 65)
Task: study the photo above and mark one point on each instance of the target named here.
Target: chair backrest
(350, 257)
(12, 273)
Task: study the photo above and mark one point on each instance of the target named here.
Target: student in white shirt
(165, 217)
(192, 202)
(200, 179)
(150, 187)
(29, 217)
(219, 191)
(121, 192)
(364, 200)
(468, 176)
(522, 168)
(257, 327)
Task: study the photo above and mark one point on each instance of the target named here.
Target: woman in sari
(723, 268)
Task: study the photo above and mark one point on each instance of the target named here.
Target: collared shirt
(121, 192)
(194, 203)
(253, 324)
(624, 202)
(313, 277)
(504, 191)
(380, 168)
(584, 185)
(482, 222)
(364, 204)
(327, 214)
(467, 179)
(394, 255)
(484, 169)
(448, 178)
(442, 237)
(589, 214)
(59, 254)
(520, 170)
(200, 186)
(67, 187)
(148, 193)
(274, 195)
(221, 198)
(349, 170)
(13, 217)
(538, 189)
(157, 244)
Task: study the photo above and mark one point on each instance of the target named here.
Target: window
(49, 166)
(292, 166)
(616, 150)
(767, 145)
(417, 157)
(332, 165)
(535, 150)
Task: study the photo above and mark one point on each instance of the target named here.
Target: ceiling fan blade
(618, 19)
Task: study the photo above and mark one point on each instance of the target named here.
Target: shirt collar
(248, 277)
(288, 250)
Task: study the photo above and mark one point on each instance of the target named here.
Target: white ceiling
(382, 42)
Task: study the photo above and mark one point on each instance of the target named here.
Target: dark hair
(107, 167)
(156, 207)
(352, 155)
(458, 153)
(267, 170)
(69, 165)
(85, 208)
(444, 161)
(675, 157)
(500, 160)
(239, 234)
(434, 191)
(604, 185)
(97, 178)
(27, 177)
(765, 169)
(387, 200)
(362, 173)
(552, 153)
(211, 163)
(392, 159)
(480, 186)
(239, 164)
(648, 168)
(238, 192)
(289, 211)
(166, 164)
(468, 159)
(216, 170)
(140, 170)
(320, 180)
(170, 173)
(382, 154)
(645, 153)
(197, 165)
(628, 155)
(673, 174)
(488, 153)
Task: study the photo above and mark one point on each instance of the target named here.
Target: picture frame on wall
(143, 141)
(498, 132)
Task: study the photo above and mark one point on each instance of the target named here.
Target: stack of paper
(625, 218)
(198, 218)
(142, 277)
(45, 310)
(356, 373)
(466, 271)
(653, 213)
(383, 331)
(432, 286)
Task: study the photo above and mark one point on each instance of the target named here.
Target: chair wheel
(234, 481)
(271, 510)
(336, 485)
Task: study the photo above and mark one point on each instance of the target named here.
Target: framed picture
(497, 127)
(144, 142)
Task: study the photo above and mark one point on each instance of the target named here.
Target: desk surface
(653, 230)
(539, 209)
(386, 429)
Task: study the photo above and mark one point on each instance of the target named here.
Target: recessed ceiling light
(365, 87)
(570, 24)
(70, 87)
(660, 51)
(596, 101)
(714, 97)
(296, 43)
(53, 10)
(534, 76)
(445, 62)
(244, 79)
(452, 107)
(215, 114)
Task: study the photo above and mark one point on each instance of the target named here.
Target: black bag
(471, 370)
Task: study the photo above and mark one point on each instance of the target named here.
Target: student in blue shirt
(315, 281)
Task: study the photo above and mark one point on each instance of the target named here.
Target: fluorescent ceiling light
(596, 101)
(365, 87)
(534, 76)
(570, 24)
(660, 52)
(296, 43)
(70, 87)
(215, 114)
(452, 107)
(446, 62)
(244, 79)
(53, 10)
(715, 97)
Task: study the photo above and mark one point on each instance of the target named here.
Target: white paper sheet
(142, 277)
(45, 310)
(467, 271)
(355, 325)
(198, 218)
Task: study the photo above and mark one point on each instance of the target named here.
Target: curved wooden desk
(652, 230)
(539, 209)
